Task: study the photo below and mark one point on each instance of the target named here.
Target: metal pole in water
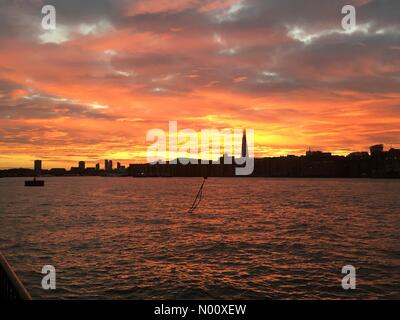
(198, 198)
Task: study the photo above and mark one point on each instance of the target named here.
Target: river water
(132, 238)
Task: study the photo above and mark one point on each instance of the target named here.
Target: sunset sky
(112, 70)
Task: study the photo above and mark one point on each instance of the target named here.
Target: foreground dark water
(112, 238)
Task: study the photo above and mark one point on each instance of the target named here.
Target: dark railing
(11, 288)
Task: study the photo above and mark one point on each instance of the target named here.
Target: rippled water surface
(112, 238)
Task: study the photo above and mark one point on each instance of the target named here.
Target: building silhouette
(376, 150)
(82, 166)
(318, 154)
(245, 149)
(108, 166)
(38, 167)
(313, 164)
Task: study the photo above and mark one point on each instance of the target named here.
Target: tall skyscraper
(38, 166)
(376, 150)
(82, 165)
(110, 165)
(106, 165)
(245, 150)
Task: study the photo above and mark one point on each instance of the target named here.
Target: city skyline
(107, 165)
(62, 163)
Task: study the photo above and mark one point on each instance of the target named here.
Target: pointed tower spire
(245, 151)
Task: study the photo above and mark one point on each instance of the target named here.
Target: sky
(115, 69)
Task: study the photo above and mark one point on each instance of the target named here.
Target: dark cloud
(334, 59)
(35, 106)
